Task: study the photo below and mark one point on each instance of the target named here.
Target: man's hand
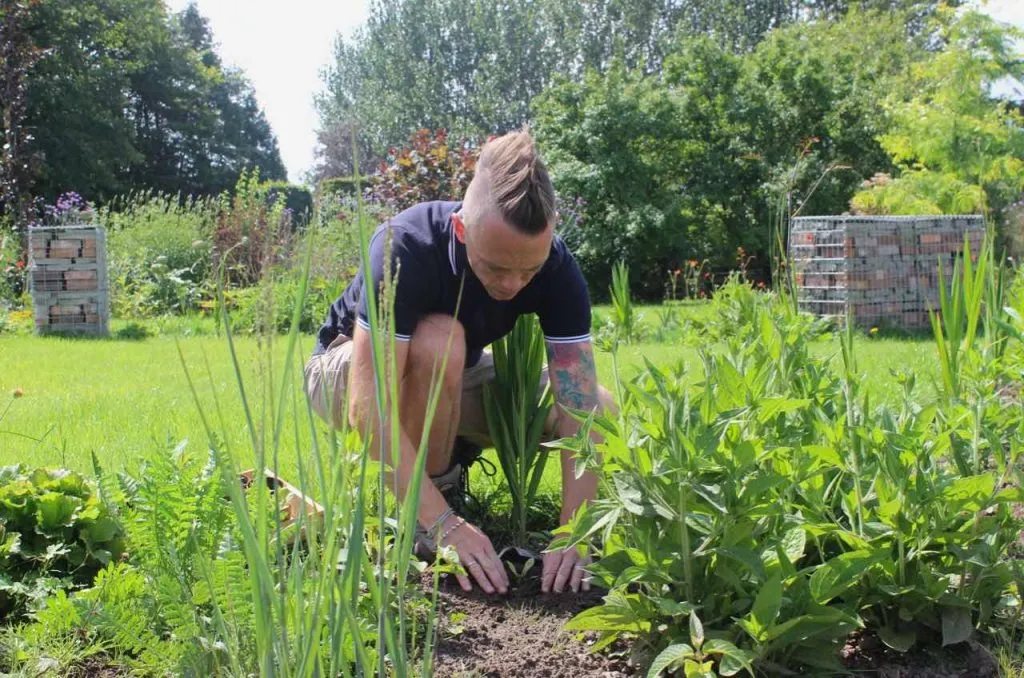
(565, 566)
(477, 555)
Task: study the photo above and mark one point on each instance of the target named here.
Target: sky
(283, 46)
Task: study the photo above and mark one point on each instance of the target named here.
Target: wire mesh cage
(881, 271)
(68, 279)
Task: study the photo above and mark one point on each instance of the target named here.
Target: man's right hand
(477, 556)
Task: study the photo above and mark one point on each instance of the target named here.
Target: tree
(125, 97)
(685, 163)
(948, 134)
(17, 162)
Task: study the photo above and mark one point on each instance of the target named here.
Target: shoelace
(487, 467)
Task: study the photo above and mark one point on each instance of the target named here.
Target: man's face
(503, 258)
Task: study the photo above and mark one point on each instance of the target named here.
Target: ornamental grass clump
(517, 404)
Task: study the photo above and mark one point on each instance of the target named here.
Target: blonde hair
(511, 179)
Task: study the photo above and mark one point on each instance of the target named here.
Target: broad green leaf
(733, 658)
(101, 531)
(748, 558)
(838, 574)
(768, 601)
(628, 489)
(901, 641)
(956, 625)
(12, 544)
(54, 511)
(970, 493)
(696, 631)
(673, 654)
(674, 608)
(744, 453)
(830, 622)
(769, 408)
(794, 542)
(604, 618)
(694, 669)
(825, 455)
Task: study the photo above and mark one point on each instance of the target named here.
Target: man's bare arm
(574, 382)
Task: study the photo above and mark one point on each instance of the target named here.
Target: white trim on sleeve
(567, 340)
(366, 326)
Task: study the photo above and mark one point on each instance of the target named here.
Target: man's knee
(435, 337)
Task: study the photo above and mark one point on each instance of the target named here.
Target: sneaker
(451, 484)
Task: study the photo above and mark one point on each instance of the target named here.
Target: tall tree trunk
(18, 54)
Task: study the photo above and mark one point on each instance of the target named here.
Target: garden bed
(519, 634)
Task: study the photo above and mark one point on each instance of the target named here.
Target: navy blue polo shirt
(432, 265)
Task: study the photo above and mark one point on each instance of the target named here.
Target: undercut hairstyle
(512, 180)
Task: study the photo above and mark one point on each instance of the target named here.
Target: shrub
(158, 252)
(55, 534)
(918, 192)
(766, 499)
(252, 234)
(429, 168)
(12, 267)
(298, 200)
(340, 187)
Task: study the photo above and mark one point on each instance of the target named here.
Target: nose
(510, 285)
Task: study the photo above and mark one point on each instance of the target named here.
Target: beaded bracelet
(458, 523)
(439, 523)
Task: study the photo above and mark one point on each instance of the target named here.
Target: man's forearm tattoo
(574, 375)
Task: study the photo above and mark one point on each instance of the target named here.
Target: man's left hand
(565, 567)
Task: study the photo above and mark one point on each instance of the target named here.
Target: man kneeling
(497, 248)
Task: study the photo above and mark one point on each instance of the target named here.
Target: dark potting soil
(518, 634)
(865, 655)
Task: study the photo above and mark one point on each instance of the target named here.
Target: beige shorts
(327, 374)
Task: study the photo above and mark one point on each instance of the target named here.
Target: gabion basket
(879, 271)
(68, 279)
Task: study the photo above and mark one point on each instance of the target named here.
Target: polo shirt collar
(456, 250)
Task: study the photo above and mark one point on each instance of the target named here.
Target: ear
(460, 227)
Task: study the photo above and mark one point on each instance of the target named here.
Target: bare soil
(519, 634)
(866, 655)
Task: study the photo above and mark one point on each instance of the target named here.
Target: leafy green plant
(768, 496)
(516, 408)
(339, 601)
(697, 659)
(624, 316)
(55, 534)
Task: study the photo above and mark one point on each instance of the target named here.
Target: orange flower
(693, 263)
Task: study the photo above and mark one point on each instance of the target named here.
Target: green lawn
(120, 398)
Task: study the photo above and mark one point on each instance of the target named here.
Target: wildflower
(692, 263)
(19, 264)
(873, 331)
(760, 284)
(17, 393)
(707, 275)
(676, 272)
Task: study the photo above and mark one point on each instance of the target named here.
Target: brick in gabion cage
(68, 279)
(880, 270)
